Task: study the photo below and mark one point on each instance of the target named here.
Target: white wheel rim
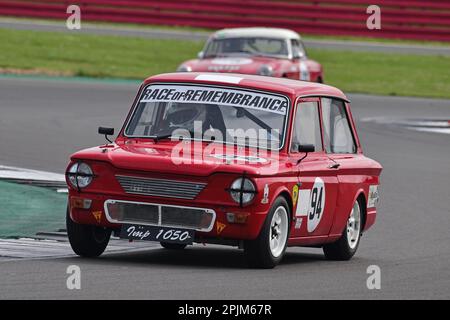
(278, 231)
(354, 226)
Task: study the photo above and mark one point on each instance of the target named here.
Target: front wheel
(268, 249)
(348, 243)
(86, 240)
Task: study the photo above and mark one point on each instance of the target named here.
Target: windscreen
(253, 46)
(207, 113)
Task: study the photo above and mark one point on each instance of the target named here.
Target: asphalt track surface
(202, 36)
(43, 121)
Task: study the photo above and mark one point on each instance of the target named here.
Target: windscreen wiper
(161, 137)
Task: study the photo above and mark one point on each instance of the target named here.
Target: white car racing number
(316, 204)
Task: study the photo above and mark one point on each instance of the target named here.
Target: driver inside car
(184, 116)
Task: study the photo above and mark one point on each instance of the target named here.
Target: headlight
(265, 70)
(304, 72)
(80, 175)
(242, 191)
(184, 68)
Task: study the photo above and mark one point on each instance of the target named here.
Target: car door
(342, 147)
(315, 195)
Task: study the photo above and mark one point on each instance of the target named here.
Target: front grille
(159, 214)
(161, 187)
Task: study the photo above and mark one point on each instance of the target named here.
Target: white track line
(441, 126)
(28, 174)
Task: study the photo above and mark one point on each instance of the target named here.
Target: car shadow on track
(228, 258)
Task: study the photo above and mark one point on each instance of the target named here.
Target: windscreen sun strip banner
(216, 95)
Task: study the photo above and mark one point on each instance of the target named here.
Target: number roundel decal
(316, 204)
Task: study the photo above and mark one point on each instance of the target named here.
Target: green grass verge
(136, 58)
(92, 55)
(26, 210)
(387, 73)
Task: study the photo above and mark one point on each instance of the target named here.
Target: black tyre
(172, 246)
(346, 246)
(86, 240)
(268, 249)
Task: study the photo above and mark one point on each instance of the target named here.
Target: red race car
(260, 51)
(260, 163)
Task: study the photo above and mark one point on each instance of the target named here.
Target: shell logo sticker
(97, 215)
(220, 226)
(316, 204)
(295, 194)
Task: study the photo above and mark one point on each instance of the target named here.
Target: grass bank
(26, 210)
(136, 58)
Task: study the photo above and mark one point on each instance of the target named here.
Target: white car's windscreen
(208, 113)
(250, 45)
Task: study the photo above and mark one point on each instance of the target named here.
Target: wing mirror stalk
(306, 148)
(106, 131)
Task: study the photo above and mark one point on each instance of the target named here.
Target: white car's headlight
(184, 68)
(80, 175)
(242, 191)
(266, 70)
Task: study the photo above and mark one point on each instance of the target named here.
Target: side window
(337, 134)
(306, 126)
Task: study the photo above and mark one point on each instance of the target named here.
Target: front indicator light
(237, 217)
(80, 203)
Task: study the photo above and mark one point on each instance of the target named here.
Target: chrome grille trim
(161, 216)
(160, 187)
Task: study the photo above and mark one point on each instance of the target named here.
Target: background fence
(405, 19)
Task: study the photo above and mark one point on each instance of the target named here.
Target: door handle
(334, 165)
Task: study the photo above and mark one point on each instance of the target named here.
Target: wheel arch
(340, 218)
(363, 203)
(360, 195)
(287, 196)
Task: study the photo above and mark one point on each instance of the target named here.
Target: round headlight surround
(80, 175)
(242, 191)
(184, 68)
(265, 70)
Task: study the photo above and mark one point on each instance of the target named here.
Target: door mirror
(306, 148)
(106, 131)
(200, 55)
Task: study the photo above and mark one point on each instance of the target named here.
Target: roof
(256, 32)
(280, 85)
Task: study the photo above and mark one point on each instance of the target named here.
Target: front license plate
(155, 233)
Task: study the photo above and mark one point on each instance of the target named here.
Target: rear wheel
(348, 243)
(173, 246)
(86, 240)
(268, 249)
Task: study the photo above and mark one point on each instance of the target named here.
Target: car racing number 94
(316, 204)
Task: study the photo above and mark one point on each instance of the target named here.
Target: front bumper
(220, 227)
